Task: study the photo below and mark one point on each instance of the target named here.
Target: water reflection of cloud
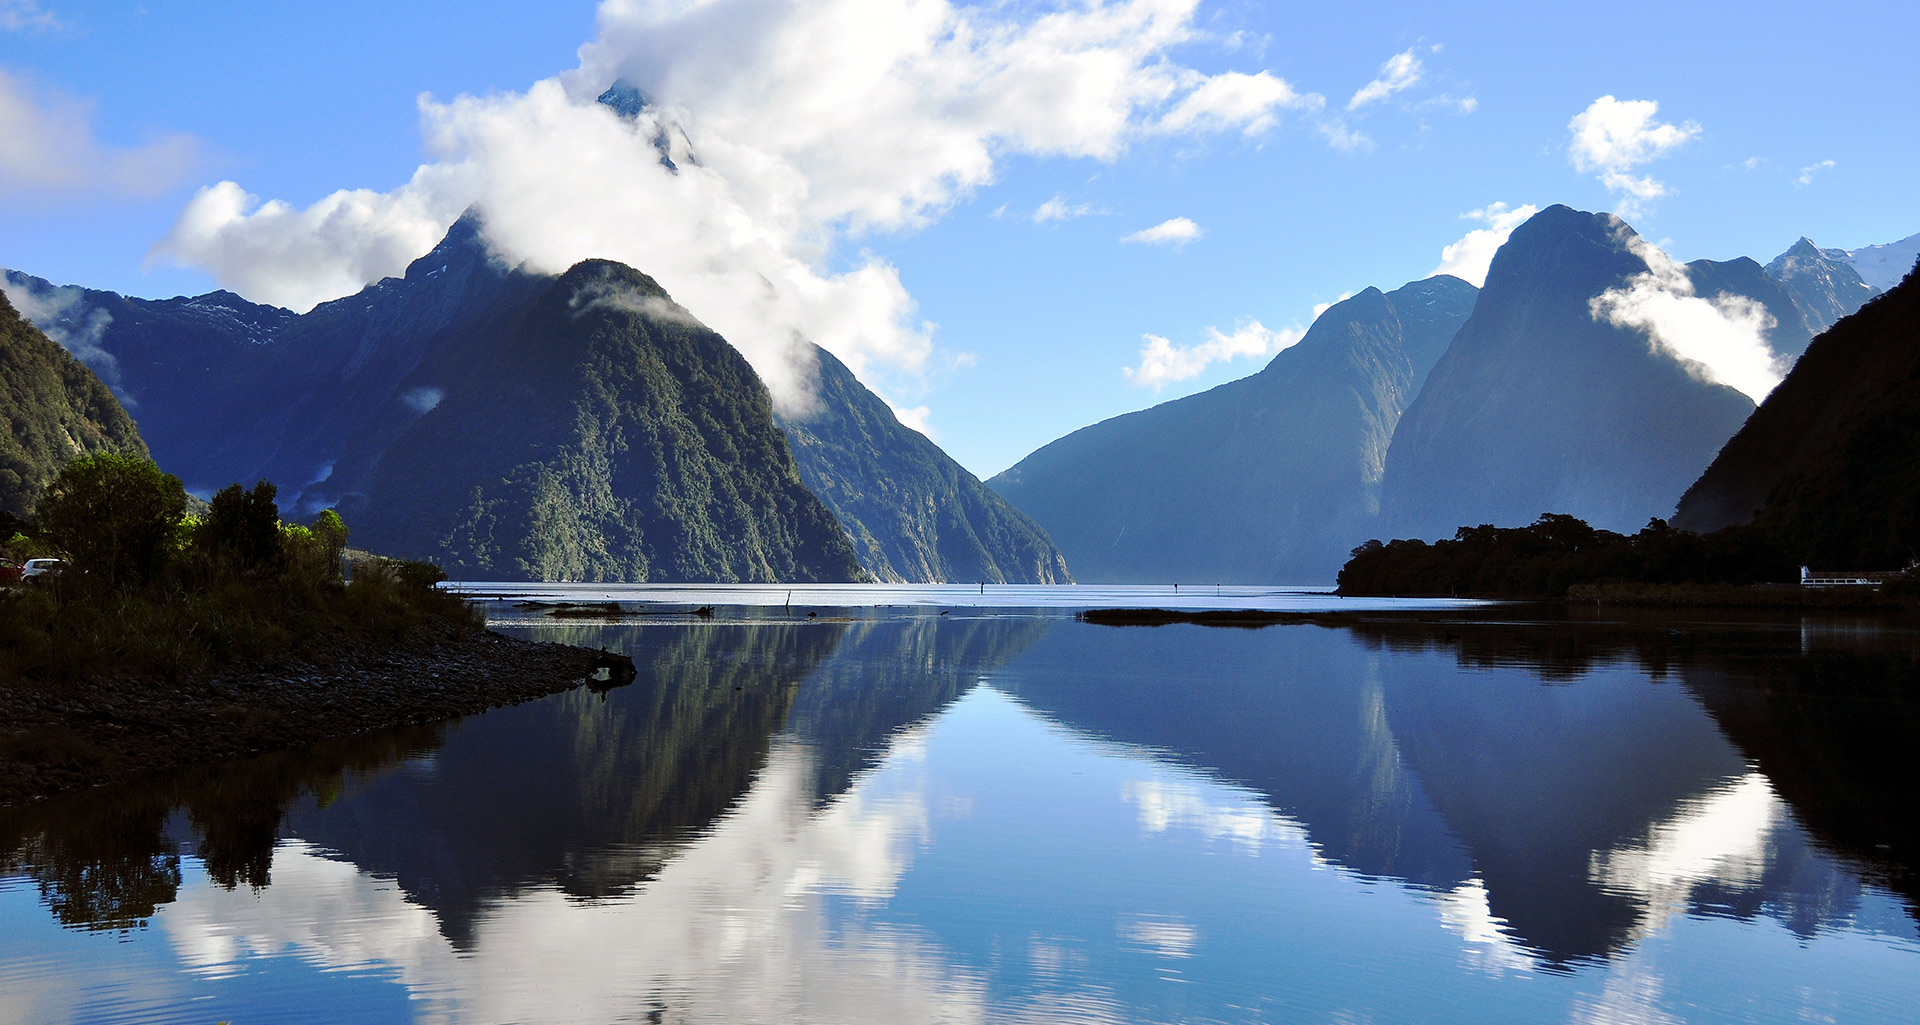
(1720, 837)
(1165, 935)
(1164, 804)
(733, 930)
(1466, 911)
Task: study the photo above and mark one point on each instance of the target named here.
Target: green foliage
(593, 434)
(113, 515)
(1557, 552)
(242, 528)
(168, 595)
(54, 408)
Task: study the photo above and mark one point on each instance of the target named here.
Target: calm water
(893, 815)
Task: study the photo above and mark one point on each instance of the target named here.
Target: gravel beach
(60, 738)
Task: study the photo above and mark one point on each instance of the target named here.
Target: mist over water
(941, 813)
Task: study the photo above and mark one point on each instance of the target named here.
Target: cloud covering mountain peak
(816, 122)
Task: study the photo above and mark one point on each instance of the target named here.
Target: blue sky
(899, 223)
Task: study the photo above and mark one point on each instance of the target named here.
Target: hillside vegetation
(54, 408)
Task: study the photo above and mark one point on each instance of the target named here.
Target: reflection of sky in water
(993, 866)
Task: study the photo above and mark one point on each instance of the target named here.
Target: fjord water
(898, 815)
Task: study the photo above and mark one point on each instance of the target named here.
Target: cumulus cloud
(1400, 72)
(1177, 231)
(1058, 209)
(1319, 308)
(61, 314)
(1612, 137)
(50, 150)
(815, 122)
(1721, 339)
(1807, 173)
(1469, 258)
(1162, 362)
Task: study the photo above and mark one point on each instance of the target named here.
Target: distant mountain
(1885, 266)
(1831, 460)
(53, 409)
(1540, 406)
(1821, 282)
(1268, 479)
(177, 363)
(914, 514)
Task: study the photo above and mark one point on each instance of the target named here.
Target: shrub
(112, 515)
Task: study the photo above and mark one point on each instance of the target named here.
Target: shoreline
(60, 738)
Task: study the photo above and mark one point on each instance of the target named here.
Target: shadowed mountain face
(587, 429)
(53, 408)
(1822, 283)
(1540, 406)
(570, 472)
(1831, 461)
(914, 514)
(1268, 479)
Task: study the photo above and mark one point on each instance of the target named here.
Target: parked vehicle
(9, 573)
(42, 567)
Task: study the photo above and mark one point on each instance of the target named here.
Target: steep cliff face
(52, 408)
(1540, 405)
(1268, 479)
(1831, 460)
(913, 513)
(591, 431)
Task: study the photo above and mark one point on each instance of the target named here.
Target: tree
(242, 528)
(112, 515)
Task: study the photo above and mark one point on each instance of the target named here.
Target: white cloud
(1469, 258)
(1615, 136)
(50, 150)
(1162, 362)
(814, 122)
(1177, 231)
(1058, 209)
(1722, 339)
(16, 15)
(1342, 138)
(1232, 99)
(917, 418)
(1807, 173)
(1400, 72)
(1319, 308)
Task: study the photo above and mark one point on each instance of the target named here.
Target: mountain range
(641, 446)
(1269, 478)
(1830, 462)
(1417, 411)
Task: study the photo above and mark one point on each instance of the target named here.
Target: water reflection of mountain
(587, 794)
(1583, 795)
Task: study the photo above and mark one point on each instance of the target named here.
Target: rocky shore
(60, 738)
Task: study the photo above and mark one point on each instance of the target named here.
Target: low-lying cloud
(1469, 258)
(816, 122)
(1722, 339)
(61, 314)
(1163, 363)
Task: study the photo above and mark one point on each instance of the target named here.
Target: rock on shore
(60, 738)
